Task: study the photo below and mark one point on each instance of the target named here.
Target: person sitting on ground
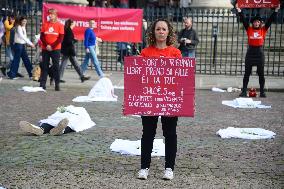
(64, 120)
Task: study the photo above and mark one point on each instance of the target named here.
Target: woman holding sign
(255, 56)
(160, 38)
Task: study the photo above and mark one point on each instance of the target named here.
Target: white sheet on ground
(32, 89)
(78, 117)
(244, 103)
(102, 91)
(215, 89)
(245, 133)
(127, 147)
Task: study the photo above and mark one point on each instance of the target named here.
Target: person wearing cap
(52, 33)
(255, 57)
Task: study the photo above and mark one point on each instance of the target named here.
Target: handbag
(36, 73)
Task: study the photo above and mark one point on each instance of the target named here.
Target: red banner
(159, 86)
(258, 3)
(112, 24)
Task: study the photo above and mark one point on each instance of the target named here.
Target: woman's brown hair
(150, 35)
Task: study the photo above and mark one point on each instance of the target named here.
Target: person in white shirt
(20, 41)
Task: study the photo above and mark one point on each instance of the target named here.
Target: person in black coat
(188, 39)
(68, 51)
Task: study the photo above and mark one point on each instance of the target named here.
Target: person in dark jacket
(255, 56)
(68, 51)
(188, 39)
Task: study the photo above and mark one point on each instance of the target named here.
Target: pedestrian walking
(52, 33)
(19, 47)
(255, 56)
(68, 51)
(8, 24)
(2, 36)
(90, 46)
(188, 39)
(160, 38)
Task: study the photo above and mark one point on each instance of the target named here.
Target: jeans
(73, 61)
(149, 131)
(46, 128)
(20, 52)
(44, 65)
(10, 55)
(94, 59)
(190, 54)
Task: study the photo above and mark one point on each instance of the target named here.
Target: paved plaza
(84, 159)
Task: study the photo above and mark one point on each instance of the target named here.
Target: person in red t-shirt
(255, 56)
(160, 38)
(52, 33)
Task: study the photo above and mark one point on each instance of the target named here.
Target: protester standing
(90, 46)
(52, 33)
(68, 51)
(188, 39)
(160, 38)
(255, 55)
(19, 47)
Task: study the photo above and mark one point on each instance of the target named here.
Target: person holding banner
(160, 38)
(52, 33)
(68, 51)
(90, 45)
(255, 56)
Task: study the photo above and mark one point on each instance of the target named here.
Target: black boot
(243, 93)
(84, 78)
(57, 88)
(3, 70)
(262, 94)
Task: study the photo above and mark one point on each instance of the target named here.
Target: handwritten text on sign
(258, 3)
(159, 86)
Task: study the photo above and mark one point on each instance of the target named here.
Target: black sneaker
(262, 95)
(3, 70)
(57, 88)
(44, 87)
(62, 81)
(19, 75)
(84, 78)
(243, 94)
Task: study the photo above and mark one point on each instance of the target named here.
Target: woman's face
(72, 25)
(24, 22)
(161, 31)
(256, 24)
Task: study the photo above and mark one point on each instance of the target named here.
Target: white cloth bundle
(78, 117)
(244, 103)
(32, 89)
(245, 133)
(127, 147)
(102, 91)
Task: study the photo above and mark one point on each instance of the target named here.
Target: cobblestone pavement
(84, 160)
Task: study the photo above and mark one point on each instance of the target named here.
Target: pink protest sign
(258, 3)
(159, 86)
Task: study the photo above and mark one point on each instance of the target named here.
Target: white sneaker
(30, 128)
(143, 174)
(168, 174)
(59, 129)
